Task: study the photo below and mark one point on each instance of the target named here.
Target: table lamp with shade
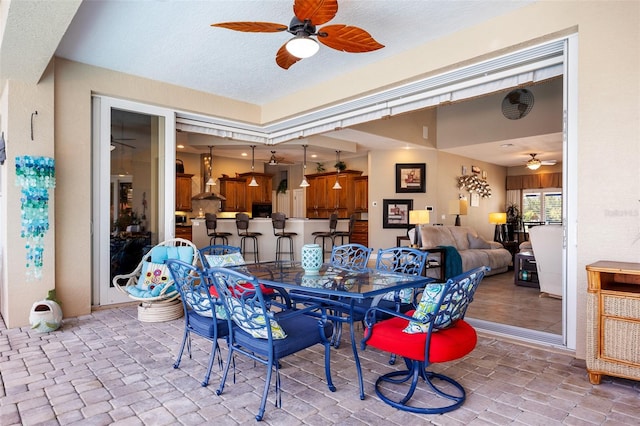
(417, 218)
(458, 207)
(499, 220)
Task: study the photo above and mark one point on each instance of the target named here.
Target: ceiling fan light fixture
(534, 164)
(302, 46)
(273, 161)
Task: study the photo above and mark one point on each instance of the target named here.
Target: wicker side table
(613, 320)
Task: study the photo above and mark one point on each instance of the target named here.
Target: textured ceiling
(172, 41)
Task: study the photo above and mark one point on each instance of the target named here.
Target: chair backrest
(220, 255)
(244, 303)
(278, 219)
(401, 259)
(350, 256)
(211, 221)
(192, 287)
(333, 222)
(352, 223)
(458, 293)
(546, 242)
(242, 223)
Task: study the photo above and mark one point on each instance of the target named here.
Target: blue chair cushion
(302, 331)
(204, 326)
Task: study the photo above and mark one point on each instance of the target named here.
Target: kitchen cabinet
(317, 197)
(235, 192)
(361, 191)
(183, 232)
(613, 320)
(360, 234)
(322, 199)
(183, 192)
(261, 193)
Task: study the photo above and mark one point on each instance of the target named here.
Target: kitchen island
(267, 241)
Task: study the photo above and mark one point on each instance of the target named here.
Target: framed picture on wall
(411, 177)
(395, 213)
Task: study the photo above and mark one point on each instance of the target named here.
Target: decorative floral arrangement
(473, 183)
(35, 175)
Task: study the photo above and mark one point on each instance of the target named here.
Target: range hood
(208, 196)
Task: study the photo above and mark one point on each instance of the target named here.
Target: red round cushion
(446, 345)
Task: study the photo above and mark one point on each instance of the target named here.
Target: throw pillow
(153, 275)
(430, 298)
(222, 260)
(477, 242)
(253, 321)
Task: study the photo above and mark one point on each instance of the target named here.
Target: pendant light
(304, 182)
(337, 184)
(253, 178)
(210, 182)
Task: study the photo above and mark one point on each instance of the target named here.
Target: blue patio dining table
(342, 288)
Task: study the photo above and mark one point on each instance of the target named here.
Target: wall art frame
(411, 177)
(395, 213)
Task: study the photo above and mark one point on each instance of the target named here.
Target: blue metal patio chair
(220, 256)
(199, 311)
(435, 332)
(264, 336)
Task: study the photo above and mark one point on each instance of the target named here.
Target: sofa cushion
(477, 242)
(459, 234)
(434, 236)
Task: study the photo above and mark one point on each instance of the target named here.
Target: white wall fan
(535, 163)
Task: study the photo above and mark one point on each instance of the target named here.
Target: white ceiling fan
(534, 163)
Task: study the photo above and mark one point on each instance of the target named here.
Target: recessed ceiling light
(314, 155)
(506, 145)
(244, 154)
(181, 146)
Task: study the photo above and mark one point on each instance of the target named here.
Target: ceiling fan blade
(317, 11)
(348, 39)
(252, 27)
(285, 59)
(548, 162)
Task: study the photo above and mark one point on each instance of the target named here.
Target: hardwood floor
(499, 300)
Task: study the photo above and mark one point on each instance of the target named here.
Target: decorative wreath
(473, 183)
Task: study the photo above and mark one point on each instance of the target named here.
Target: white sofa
(546, 242)
(474, 250)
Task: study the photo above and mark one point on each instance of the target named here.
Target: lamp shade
(497, 218)
(417, 217)
(302, 47)
(458, 207)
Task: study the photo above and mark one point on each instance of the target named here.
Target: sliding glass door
(133, 183)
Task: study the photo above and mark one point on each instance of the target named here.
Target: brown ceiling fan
(308, 15)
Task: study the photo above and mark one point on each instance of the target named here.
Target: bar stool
(333, 224)
(211, 222)
(347, 234)
(278, 219)
(242, 224)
